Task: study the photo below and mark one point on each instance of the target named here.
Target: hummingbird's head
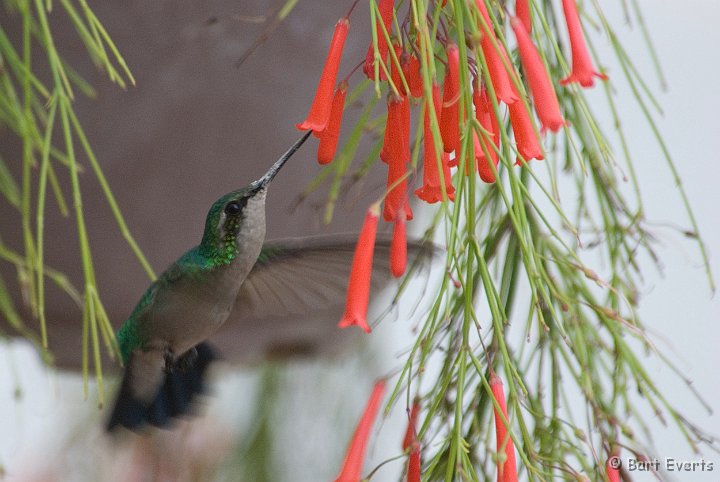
(237, 219)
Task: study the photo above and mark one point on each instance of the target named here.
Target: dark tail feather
(173, 400)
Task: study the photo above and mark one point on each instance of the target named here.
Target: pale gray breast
(194, 307)
(199, 303)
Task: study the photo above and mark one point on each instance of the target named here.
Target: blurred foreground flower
(507, 470)
(355, 457)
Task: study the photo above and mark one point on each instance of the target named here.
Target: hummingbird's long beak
(265, 180)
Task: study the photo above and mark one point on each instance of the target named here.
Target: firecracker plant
(485, 117)
(475, 107)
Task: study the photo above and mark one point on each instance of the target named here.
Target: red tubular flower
(405, 127)
(507, 471)
(451, 93)
(396, 151)
(522, 11)
(319, 114)
(480, 161)
(386, 14)
(414, 465)
(431, 190)
(410, 441)
(411, 432)
(355, 457)
(358, 293)
(583, 70)
(391, 122)
(398, 248)
(411, 69)
(496, 59)
(395, 72)
(396, 200)
(397, 124)
(612, 466)
(527, 142)
(329, 136)
(486, 117)
(613, 474)
(546, 102)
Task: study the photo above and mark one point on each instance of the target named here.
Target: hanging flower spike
(496, 59)
(358, 292)
(386, 8)
(449, 127)
(411, 69)
(485, 115)
(507, 471)
(431, 190)
(319, 114)
(414, 465)
(355, 457)
(329, 137)
(527, 142)
(411, 432)
(396, 153)
(398, 248)
(543, 93)
(583, 70)
(522, 11)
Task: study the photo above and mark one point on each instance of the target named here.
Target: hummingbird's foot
(170, 360)
(180, 364)
(187, 360)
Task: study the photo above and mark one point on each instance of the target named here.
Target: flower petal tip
(348, 321)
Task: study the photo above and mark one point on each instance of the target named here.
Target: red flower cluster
(440, 153)
(445, 125)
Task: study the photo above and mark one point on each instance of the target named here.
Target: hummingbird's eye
(233, 208)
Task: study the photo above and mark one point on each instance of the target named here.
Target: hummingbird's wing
(292, 300)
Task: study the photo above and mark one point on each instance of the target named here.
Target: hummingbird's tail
(174, 398)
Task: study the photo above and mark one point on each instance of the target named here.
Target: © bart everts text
(668, 464)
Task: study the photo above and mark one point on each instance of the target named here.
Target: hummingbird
(254, 300)
(163, 344)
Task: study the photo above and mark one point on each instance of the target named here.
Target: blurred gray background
(218, 127)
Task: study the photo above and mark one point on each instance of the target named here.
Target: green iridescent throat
(219, 245)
